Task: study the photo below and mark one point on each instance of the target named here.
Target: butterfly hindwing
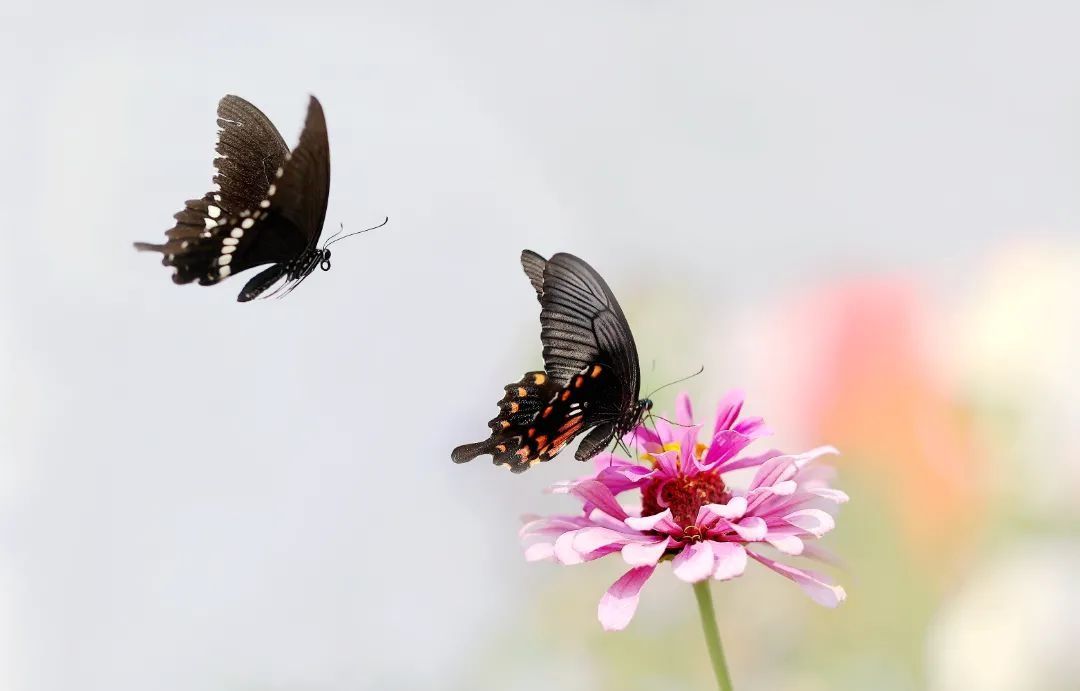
(536, 419)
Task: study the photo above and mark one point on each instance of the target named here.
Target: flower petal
(540, 551)
(564, 551)
(661, 522)
(688, 447)
(596, 494)
(619, 603)
(786, 543)
(734, 509)
(830, 494)
(667, 462)
(748, 461)
(644, 553)
(694, 563)
(729, 560)
(591, 539)
(813, 584)
(729, 409)
(751, 529)
(684, 411)
(814, 521)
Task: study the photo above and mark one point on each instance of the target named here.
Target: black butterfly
(592, 378)
(269, 208)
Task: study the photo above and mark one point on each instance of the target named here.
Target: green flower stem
(712, 634)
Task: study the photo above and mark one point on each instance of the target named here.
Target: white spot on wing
(265, 203)
(237, 233)
(228, 249)
(247, 223)
(224, 260)
(270, 192)
(230, 241)
(224, 271)
(213, 211)
(210, 223)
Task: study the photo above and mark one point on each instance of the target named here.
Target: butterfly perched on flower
(591, 378)
(269, 207)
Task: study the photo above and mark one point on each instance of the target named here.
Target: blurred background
(864, 214)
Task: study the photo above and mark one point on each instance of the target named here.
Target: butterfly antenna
(336, 237)
(677, 381)
(331, 238)
(671, 422)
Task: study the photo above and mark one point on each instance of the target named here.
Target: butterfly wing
(591, 378)
(302, 189)
(268, 202)
(582, 324)
(537, 418)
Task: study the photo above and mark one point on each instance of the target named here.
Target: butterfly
(591, 378)
(269, 207)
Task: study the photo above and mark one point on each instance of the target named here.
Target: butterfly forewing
(250, 150)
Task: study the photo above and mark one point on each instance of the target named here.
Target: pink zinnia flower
(690, 514)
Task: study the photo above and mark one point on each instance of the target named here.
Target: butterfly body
(269, 207)
(591, 378)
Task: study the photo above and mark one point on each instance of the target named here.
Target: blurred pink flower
(690, 514)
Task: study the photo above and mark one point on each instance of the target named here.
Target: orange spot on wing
(595, 371)
(579, 381)
(514, 406)
(522, 392)
(547, 411)
(539, 378)
(565, 394)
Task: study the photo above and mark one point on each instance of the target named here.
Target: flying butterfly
(591, 378)
(269, 207)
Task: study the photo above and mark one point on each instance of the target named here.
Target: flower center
(684, 495)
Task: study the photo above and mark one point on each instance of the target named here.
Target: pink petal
(751, 529)
(748, 461)
(591, 539)
(730, 560)
(644, 553)
(786, 543)
(619, 603)
(813, 584)
(694, 563)
(688, 443)
(642, 437)
(753, 427)
(661, 522)
(830, 494)
(807, 457)
(668, 462)
(596, 494)
(728, 412)
(564, 551)
(684, 412)
(541, 551)
(814, 521)
(782, 488)
(663, 431)
(735, 508)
